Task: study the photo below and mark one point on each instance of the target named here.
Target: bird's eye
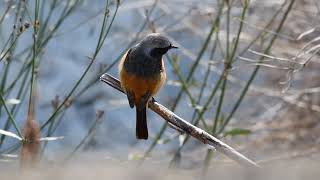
(156, 52)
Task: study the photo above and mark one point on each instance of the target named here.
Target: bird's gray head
(155, 45)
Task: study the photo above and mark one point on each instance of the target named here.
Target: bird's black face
(158, 52)
(156, 45)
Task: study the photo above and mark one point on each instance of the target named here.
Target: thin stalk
(216, 119)
(227, 66)
(102, 37)
(255, 71)
(11, 148)
(13, 41)
(94, 80)
(12, 45)
(189, 76)
(3, 102)
(52, 128)
(56, 124)
(6, 11)
(114, 62)
(214, 129)
(22, 72)
(42, 44)
(21, 95)
(206, 76)
(64, 15)
(184, 85)
(177, 153)
(32, 80)
(47, 20)
(203, 110)
(84, 139)
(66, 12)
(14, 36)
(243, 14)
(7, 42)
(219, 107)
(228, 31)
(229, 60)
(4, 79)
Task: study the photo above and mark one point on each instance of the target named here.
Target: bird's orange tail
(141, 123)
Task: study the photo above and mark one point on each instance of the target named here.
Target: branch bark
(188, 128)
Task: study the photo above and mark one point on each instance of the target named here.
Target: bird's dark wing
(130, 96)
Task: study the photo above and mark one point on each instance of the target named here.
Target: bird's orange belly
(141, 85)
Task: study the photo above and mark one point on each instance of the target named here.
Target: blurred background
(245, 71)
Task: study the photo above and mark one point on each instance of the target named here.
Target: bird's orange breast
(141, 85)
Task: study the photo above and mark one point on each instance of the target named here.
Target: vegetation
(209, 75)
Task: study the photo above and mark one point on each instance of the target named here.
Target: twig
(92, 129)
(188, 128)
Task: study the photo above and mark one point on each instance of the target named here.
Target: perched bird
(142, 73)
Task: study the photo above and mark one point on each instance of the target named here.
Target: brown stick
(29, 155)
(188, 128)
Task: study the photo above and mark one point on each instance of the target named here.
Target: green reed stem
(103, 34)
(255, 71)
(84, 139)
(185, 88)
(189, 76)
(15, 108)
(114, 62)
(3, 102)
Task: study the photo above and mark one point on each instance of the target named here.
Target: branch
(188, 128)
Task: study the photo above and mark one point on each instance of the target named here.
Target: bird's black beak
(173, 47)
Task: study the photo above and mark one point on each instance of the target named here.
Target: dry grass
(29, 156)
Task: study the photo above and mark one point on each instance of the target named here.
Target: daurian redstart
(142, 73)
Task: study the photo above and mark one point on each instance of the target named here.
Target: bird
(142, 73)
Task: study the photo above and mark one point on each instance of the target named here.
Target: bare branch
(188, 128)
